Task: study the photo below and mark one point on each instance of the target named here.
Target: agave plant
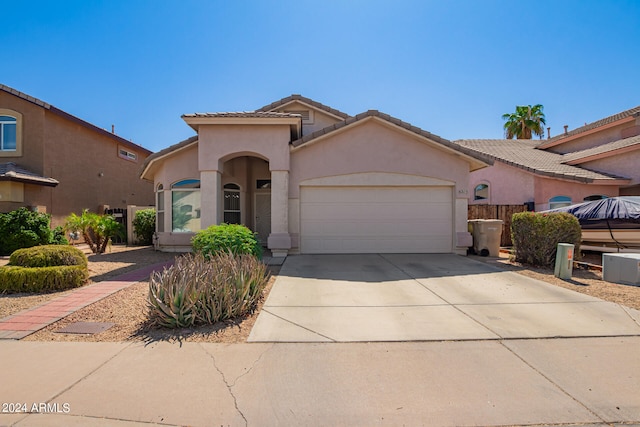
(197, 290)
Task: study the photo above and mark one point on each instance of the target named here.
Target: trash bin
(564, 261)
(486, 236)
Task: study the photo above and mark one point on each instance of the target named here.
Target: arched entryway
(246, 194)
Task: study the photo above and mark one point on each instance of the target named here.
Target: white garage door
(376, 219)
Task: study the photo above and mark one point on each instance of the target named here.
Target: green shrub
(58, 237)
(43, 279)
(197, 290)
(536, 236)
(144, 225)
(223, 238)
(48, 256)
(23, 228)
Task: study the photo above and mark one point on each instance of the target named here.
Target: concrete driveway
(425, 297)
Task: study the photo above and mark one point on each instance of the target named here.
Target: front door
(263, 216)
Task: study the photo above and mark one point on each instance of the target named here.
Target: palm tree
(526, 121)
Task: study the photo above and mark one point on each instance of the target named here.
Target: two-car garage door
(376, 219)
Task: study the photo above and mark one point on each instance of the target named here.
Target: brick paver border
(26, 322)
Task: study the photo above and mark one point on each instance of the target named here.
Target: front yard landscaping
(128, 308)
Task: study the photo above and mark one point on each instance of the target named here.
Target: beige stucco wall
(181, 165)
(90, 171)
(372, 146)
(508, 185)
(84, 161)
(547, 188)
(218, 143)
(590, 140)
(374, 151)
(626, 165)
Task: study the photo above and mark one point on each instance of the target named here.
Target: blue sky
(450, 67)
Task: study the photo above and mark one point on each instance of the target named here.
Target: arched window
(559, 202)
(481, 192)
(185, 206)
(232, 214)
(8, 133)
(594, 197)
(160, 208)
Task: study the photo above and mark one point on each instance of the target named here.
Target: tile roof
(12, 172)
(296, 97)
(375, 113)
(523, 154)
(598, 123)
(244, 114)
(24, 96)
(602, 149)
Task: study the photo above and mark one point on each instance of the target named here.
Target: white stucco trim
(376, 179)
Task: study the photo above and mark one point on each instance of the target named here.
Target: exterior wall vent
(307, 115)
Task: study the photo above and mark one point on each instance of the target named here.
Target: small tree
(97, 230)
(144, 225)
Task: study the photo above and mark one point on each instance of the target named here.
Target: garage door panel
(364, 228)
(376, 219)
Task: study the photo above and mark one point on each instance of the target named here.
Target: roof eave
(196, 121)
(561, 139)
(24, 180)
(476, 160)
(603, 155)
(161, 155)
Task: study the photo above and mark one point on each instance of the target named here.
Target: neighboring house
(56, 163)
(593, 161)
(311, 179)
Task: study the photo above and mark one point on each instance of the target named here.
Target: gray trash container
(487, 234)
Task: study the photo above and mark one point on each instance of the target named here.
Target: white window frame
(559, 202)
(160, 208)
(123, 153)
(176, 188)
(17, 152)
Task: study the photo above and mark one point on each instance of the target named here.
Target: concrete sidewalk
(580, 381)
(425, 297)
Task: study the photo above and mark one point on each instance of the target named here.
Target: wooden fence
(503, 212)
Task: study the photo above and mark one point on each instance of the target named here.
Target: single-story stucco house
(308, 178)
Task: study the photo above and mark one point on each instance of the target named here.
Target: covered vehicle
(611, 222)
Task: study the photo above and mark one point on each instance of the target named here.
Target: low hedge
(48, 256)
(41, 279)
(536, 236)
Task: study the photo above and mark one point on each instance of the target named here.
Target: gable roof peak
(315, 104)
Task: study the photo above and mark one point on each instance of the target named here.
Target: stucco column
(279, 240)
(210, 198)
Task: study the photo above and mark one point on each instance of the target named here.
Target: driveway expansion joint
(555, 384)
